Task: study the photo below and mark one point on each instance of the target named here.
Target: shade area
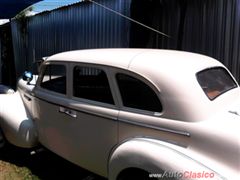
(10, 8)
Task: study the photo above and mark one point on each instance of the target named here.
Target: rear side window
(54, 78)
(91, 83)
(215, 81)
(136, 94)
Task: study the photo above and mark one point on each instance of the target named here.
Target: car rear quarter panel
(153, 156)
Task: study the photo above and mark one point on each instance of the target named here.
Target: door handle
(26, 97)
(68, 112)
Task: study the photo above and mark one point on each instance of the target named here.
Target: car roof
(126, 58)
(150, 63)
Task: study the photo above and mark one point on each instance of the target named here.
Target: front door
(75, 114)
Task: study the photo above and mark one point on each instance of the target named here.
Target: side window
(54, 78)
(91, 83)
(136, 94)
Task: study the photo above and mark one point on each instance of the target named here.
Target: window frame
(41, 76)
(150, 84)
(106, 70)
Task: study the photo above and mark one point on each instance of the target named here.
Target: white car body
(191, 133)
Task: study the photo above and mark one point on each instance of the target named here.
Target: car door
(141, 111)
(49, 94)
(80, 125)
(140, 106)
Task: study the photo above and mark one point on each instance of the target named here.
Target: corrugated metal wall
(213, 28)
(210, 27)
(80, 26)
(0, 59)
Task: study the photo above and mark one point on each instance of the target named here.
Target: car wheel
(134, 173)
(2, 140)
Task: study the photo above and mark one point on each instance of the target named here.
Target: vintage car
(130, 113)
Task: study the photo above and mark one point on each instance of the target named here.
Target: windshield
(215, 81)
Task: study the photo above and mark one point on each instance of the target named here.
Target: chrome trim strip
(234, 112)
(183, 133)
(96, 114)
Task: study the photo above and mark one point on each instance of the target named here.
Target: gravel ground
(18, 164)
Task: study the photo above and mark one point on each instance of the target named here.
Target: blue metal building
(210, 27)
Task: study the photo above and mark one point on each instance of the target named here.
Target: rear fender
(155, 157)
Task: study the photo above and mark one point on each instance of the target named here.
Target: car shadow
(45, 164)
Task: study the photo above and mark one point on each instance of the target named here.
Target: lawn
(10, 171)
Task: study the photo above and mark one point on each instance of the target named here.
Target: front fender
(17, 127)
(155, 157)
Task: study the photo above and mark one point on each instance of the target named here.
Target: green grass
(10, 171)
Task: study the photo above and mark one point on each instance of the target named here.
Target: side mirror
(27, 76)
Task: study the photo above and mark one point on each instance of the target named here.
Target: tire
(134, 173)
(2, 140)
